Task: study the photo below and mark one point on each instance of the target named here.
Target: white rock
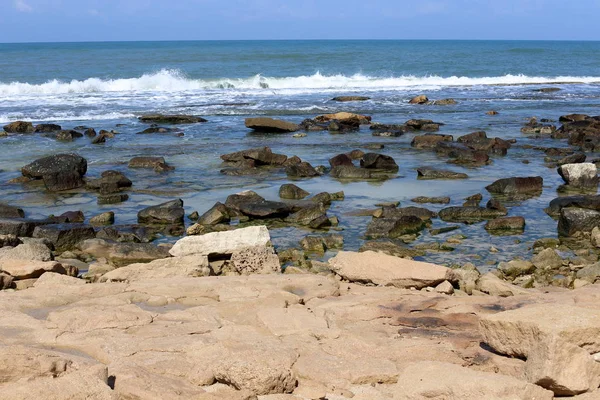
(221, 242)
(579, 175)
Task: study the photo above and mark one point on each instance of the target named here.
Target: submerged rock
(430, 140)
(506, 224)
(469, 214)
(270, 125)
(378, 161)
(394, 227)
(350, 98)
(430, 173)
(292, 192)
(171, 119)
(170, 212)
(516, 186)
(259, 156)
(420, 99)
(350, 172)
(19, 127)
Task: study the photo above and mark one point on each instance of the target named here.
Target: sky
(132, 20)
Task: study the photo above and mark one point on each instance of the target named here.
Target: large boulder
(590, 202)
(270, 125)
(378, 161)
(516, 186)
(557, 341)
(384, 270)
(227, 242)
(219, 213)
(59, 172)
(47, 128)
(420, 99)
(430, 140)
(19, 127)
(171, 119)
(581, 175)
(292, 192)
(574, 220)
(64, 236)
(171, 212)
(341, 159)
(121, 254)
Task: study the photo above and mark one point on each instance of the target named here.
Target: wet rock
(384, 270)
(350, 172)
(313, 244)
(394, 227)
(292, 192)
(270, 125)
(430, 140)
(46, 128)
(59, 172)
(68, 135)
(222, 242)
(572, 159)
(573, 117)
(312, 216)
(109, 182)
(170, 212)
(302, 170)
(90, 132)
(146, 162)
(445, 229)
(259, 156)
(30, 269)
(443, 102)
(219, 213)
(516, 268)
(591, 202)
(419, 212)
(350, 98)
(340, 160)
(378, 161)
(112, 198)
(581, 175)
(20, 227)
(121, 254)
(19, 127)
(432, 200)
(64, 236)
(506, 224)
(344, 117)
(171, 119)
(420, 99)
(430, 173)
(99, 139)
(469, 214)
(461, 153)
(7, 211)
(517, 186)
(574, 220)
(158, 129)
(107, 218)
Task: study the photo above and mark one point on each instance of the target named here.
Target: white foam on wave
(63, 116)
(174, 81)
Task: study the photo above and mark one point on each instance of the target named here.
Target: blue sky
(100, 20)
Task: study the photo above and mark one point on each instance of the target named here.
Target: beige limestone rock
(27, 269)
(382, 269)
(221, 242)
(491, 284)
(91, 318)
(445, 288)
(255, 260)
(293, 320)
(188, 266)
(443, 381)
(52, 279)
(27, 251)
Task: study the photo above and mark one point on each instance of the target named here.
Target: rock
(59, 172)
(344, 117)
(591, 202)
(262, 209)
(492, 112)
(27, 251)
(576, 158)
(7, 211)
(19, 127)
(384, 270)
(378, 161)
(90, 132)
(573, 117)
(350, 172)
(188, 266)
(516, 268)
(170, 212)
(47, 128)
(121, 254)
(440, 380)
(589, 274)
(391, 248)
(432, 200)
(292, 192)
(20, 227)
(557, 341)
(28, 269)
(64, 236)
(255, 260)
(312, 216)
(9, 241)
(219, 213)
(582, 175)
(68, 135)
(506, 224)
(595, 237)
(516, 186)
(420, 99)
(467, 276)
(430, 173)
(443, 102)
(460, 153)
(259, 156)
(491, 284)
(394, 227)
(109, 182)
(445, 288)
(547, 259)
(158, 129)
(302, 170)
(469, 214)
(146, 162)
(270, 125)
(419, 212)
(341, 159)
(107, 218)
(430, 140)
(6, 281)
(171, 119)
(112, 198)
(573, 220)
(350, 98)
(221, 242)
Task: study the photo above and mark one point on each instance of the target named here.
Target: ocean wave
(175, 81)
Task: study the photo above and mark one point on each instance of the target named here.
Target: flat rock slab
(384, 270)
(188, 266)
(264, 124)
(221, 242)
(28, 269)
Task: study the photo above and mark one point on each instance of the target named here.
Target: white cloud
(21, 6)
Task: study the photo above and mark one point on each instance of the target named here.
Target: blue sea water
(107, 85)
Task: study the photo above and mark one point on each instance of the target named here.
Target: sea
(108, 85)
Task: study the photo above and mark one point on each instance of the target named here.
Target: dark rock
(492, 112)
(70, 217)
(515, 186)
(234, 201)
(146, 162)
(574, 220)
(20, 227)
(430, 140)
(350, 98)
(507, 223)
(573, 117)
(547, 90)
(473, 201)
(394, 227)
(462, 154)
(112, 198)
(310, 216)
(472, 137)
(194, 216)
(469, 214)
(7, 211)
(443, 102)
(421, 99)
(99, 139)
(345, 125)
(259, 156)
(19, 127)
(171, 119)
(430, 173)
(292, 192)
(396, 213)
(355, 154)
(590, 202)
(219, 213)
(68, 135)
(170, 212)
(58, 182)
(572, 159)
(494, 204)
(158, 129)
(109, 182)
(442, 230)
(378, 161)
(432, 200)
(264, 209)
(270, 125)
(302, 170)
(312, 126)
(341, 159)
(350, 172)
(322, 198)
(122, 254)
(46, 128)
(90, 132)
(64, 237)
(56, 164)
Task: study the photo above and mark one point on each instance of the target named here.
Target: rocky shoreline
(97, 310)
